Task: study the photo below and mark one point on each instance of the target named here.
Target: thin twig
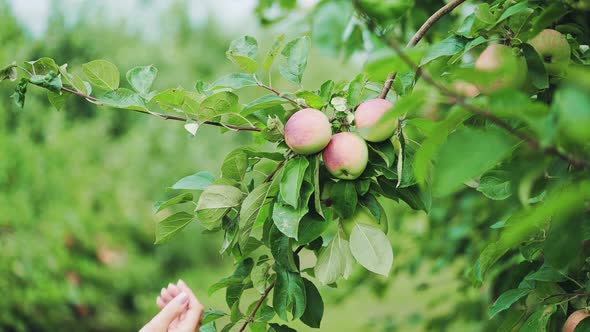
(162, 115)
(263, 297)
(460, 100)
(418, 36)
(279, 166)
(280, 95)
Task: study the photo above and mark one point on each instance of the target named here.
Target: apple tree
(482, 121)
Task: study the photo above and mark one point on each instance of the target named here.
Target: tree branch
(162, 115)
(271, 174)
(263, 297)
(278, 94)
(418, 36)
(460, 100)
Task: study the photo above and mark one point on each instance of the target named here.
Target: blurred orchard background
(77, 186)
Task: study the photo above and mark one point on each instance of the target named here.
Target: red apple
(574, 319)
(346, 156)
(554, 50)
(308, 131)
(368, 119)
(509, 70)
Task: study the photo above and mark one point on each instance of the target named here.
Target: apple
(465, 89)
(574, 319)
(509, 70)
(368, 120)
(308, 131)
(362, 215)
(554, 50)
(346, 156)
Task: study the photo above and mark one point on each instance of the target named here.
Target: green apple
(368, 120)
(554, 50)
(362, 215)
(508, 69)
(308, 131)
(346, 156)
(574, 319)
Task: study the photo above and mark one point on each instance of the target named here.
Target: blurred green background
(77, 186)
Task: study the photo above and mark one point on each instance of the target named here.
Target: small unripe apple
(554, 50)
(368, 120)
(574, 319)
(509, 69)
(346, 156)
(362, 215)
(308, 131)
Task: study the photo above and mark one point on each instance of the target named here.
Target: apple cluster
(345, 154)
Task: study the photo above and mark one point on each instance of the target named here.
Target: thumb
(172, 310)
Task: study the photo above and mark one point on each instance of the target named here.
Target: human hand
(180, 310)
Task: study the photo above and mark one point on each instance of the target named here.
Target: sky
(140, 14)
(236, 15)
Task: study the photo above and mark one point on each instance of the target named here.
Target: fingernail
(182, 298)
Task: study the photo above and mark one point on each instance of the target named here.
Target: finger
(161, 304)
(184, 287)
(165, 296)
(171, 311)
(192, 318)
(173, 290)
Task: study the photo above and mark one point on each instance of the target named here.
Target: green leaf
(102, 74)
(537, 74)
(295, 54)
(235, 165)
(546, 273)
(563, 202)
(562, 240)
(170, 99)
(234, 81)
(380, 63)
(314, 308)
(57, 100)
(182, 198)
(211, 316)
(142, 79)
(42, 66)
(49, 81)
(371, 248)
(495, 185)
(252, 208)
(20, 92)
(310, 228)
(279, 328)
(215, 202)
(311, 99)
(286, 217)
(260, 275)
(334, 261)
(316, 185)
(242, 271)
(292, 180)
(123, 98)
(170, 226)
(513, 10)
(344, 198)
(330, 21)
(537, 322)
(416, 198)
(74, 80)
(273, 52)
(446, 47)
(506, 299)
(197, 181)
(467, 154)
(280, 247)
(263, 103)
(219, 104)
(242, 52)
(356, 89)
(289, 292)
(9, 72)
